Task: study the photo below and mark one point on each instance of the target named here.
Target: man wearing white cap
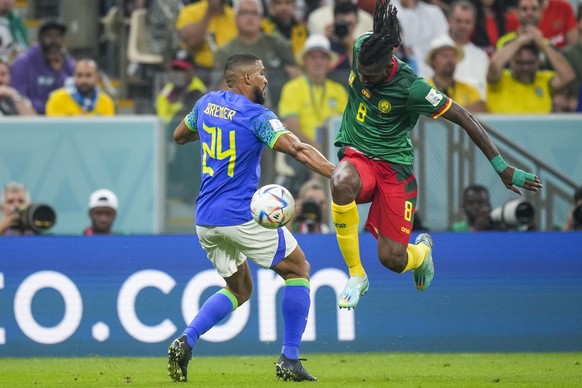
(443, 57)
(322, 98)
(102, 212)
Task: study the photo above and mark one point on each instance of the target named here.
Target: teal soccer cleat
(179, 355)
(423, 275)
(350, 296)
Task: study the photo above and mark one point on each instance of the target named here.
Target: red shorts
(392, 190)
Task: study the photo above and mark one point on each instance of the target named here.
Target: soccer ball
(272, 206)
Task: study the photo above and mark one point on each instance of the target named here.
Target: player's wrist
(498, 163)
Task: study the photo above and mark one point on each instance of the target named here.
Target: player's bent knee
(293, 266)
(299, 269)
(345, 186)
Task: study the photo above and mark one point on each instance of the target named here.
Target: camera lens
(340, 30)
(513, 213)
(524, 213)
(38, 217)
(310, 210)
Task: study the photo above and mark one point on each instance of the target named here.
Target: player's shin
(346, 220)
(214, 310)
(295, 305)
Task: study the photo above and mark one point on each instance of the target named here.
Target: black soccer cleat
(179, 355)
(292, 370)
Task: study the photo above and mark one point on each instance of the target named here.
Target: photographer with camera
(477, 207)
(311, 209)
(19, 216)
(574, 221)
(322, 16)
(341, 34)
(515, 214)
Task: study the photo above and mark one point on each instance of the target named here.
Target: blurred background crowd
(157, 57)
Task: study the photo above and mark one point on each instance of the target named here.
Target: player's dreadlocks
(385, 37)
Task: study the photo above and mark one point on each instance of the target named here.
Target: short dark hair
(235, 63)
(378, 47)
(51, 24)
(578, 194)
(344, 7)
(239, 60)
(475, 187)
(464, 5)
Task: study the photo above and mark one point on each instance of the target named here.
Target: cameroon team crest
(384, 106)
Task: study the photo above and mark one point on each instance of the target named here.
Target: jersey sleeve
(267, 127)
(426, 100)
(192, 118)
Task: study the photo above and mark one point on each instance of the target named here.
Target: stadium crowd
(479, 52)
(492, 46)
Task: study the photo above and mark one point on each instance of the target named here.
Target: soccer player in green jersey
(385, 100)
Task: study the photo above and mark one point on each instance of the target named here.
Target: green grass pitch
(333, 370)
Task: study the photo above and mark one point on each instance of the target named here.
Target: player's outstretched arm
(512, 177)
(304, 153)
(183, 134)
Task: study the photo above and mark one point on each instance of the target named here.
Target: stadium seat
(138, 50)
(111, 24)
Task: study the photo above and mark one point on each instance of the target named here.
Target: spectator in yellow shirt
(81, 97)
(443, 57)
(182, 90)
(281, 18)
(306, 103)
(205, 26)
(523, 88)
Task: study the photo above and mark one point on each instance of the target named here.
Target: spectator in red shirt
(553, 18)
(558, 23)
(493, 20)
(529, 14)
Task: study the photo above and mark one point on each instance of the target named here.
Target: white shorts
(229, 246)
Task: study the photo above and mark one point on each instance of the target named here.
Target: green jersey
(377, 120)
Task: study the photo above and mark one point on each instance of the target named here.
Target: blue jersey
(233, 131)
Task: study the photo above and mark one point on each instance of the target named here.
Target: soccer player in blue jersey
(233, 128)
(385, 100)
